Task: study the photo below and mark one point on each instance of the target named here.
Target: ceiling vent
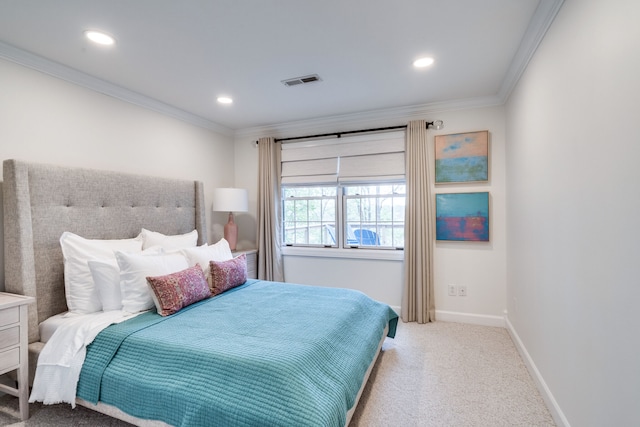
(302, 80)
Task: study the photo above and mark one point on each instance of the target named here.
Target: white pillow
(219, 252)
(179, 241)
(134, 269)
(106, 278)
(82, 296)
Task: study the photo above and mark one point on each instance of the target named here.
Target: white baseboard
(552, 404)
(474, 319)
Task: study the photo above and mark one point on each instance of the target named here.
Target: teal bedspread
(262, 354)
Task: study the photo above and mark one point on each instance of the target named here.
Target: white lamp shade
(230, 200)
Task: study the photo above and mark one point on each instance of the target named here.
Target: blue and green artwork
(462, 157)
(462, 216)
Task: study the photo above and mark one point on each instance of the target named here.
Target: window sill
(379, 254)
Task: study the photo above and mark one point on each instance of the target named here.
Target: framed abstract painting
(462, 216)
(462, 157)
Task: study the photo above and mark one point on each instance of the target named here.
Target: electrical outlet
(453, 291)
(462, 291)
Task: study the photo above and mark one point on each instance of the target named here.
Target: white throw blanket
(61, 359)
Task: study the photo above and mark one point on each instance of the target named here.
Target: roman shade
(370, 158)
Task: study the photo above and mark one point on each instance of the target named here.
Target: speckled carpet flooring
(438, 374)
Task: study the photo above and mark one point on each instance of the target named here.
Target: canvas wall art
(462, 216)
(462, 157)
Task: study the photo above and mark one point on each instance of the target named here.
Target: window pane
(314, 210)
(329, 234)
(385, 209)
(353, 210)
(315, 233)
(329, 210)
(308, 192)
(289, 210)
(309, 216)
(398, 237)
(288, 192)
(400, 189)
(368, 210)
(300, 235)
(374, 215)
(385, 189)
(301, 210)
(351, 190)
(329, 191)
(398, 209)
(303, 192)
(289, 232)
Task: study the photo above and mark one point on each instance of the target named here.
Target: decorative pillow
(228, 274)
(170, 243)
(219, 251)
(106, 278)
(175, 291)
(134, 270)
(82, 296)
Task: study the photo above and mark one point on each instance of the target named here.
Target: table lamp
(230, 200)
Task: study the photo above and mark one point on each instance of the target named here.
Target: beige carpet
(450, 374)
(438, 374)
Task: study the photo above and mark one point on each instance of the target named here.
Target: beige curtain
(417, 296)
(270, 265)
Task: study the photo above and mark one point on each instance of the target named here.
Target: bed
(284, 368)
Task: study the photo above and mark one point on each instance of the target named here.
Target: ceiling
(180, 55)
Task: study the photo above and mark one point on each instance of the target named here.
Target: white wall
(45, 119)
(479, 266)
(573, 206)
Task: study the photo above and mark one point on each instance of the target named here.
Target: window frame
(307, 198)
(377, 197)
(340, 226)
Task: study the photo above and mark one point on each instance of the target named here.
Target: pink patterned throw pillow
(178, 290)
(228, 274)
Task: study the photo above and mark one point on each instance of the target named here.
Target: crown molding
(373, 118)
(79, 78)
(540, 22)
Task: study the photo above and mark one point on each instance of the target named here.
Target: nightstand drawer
(14, 352)
(9, 359)
(252, 265)
(9, 337)
(9, 316)
(252, 262)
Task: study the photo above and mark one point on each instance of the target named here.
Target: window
(345, 192)
(374, 215)
(364, 216)
(309, 215)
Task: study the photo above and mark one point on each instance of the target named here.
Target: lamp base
(231, 232)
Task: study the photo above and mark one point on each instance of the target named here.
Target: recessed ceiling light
(225, 100)
(99, 37)
(422, 62)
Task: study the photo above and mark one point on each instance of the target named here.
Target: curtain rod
(436, 124)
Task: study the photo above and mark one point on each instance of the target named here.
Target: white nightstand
(14, 341)
(252, 262)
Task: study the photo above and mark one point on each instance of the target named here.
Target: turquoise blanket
(265, 353)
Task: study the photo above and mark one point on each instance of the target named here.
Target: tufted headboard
(42, 201)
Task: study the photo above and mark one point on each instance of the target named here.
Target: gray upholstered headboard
(42, 201)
